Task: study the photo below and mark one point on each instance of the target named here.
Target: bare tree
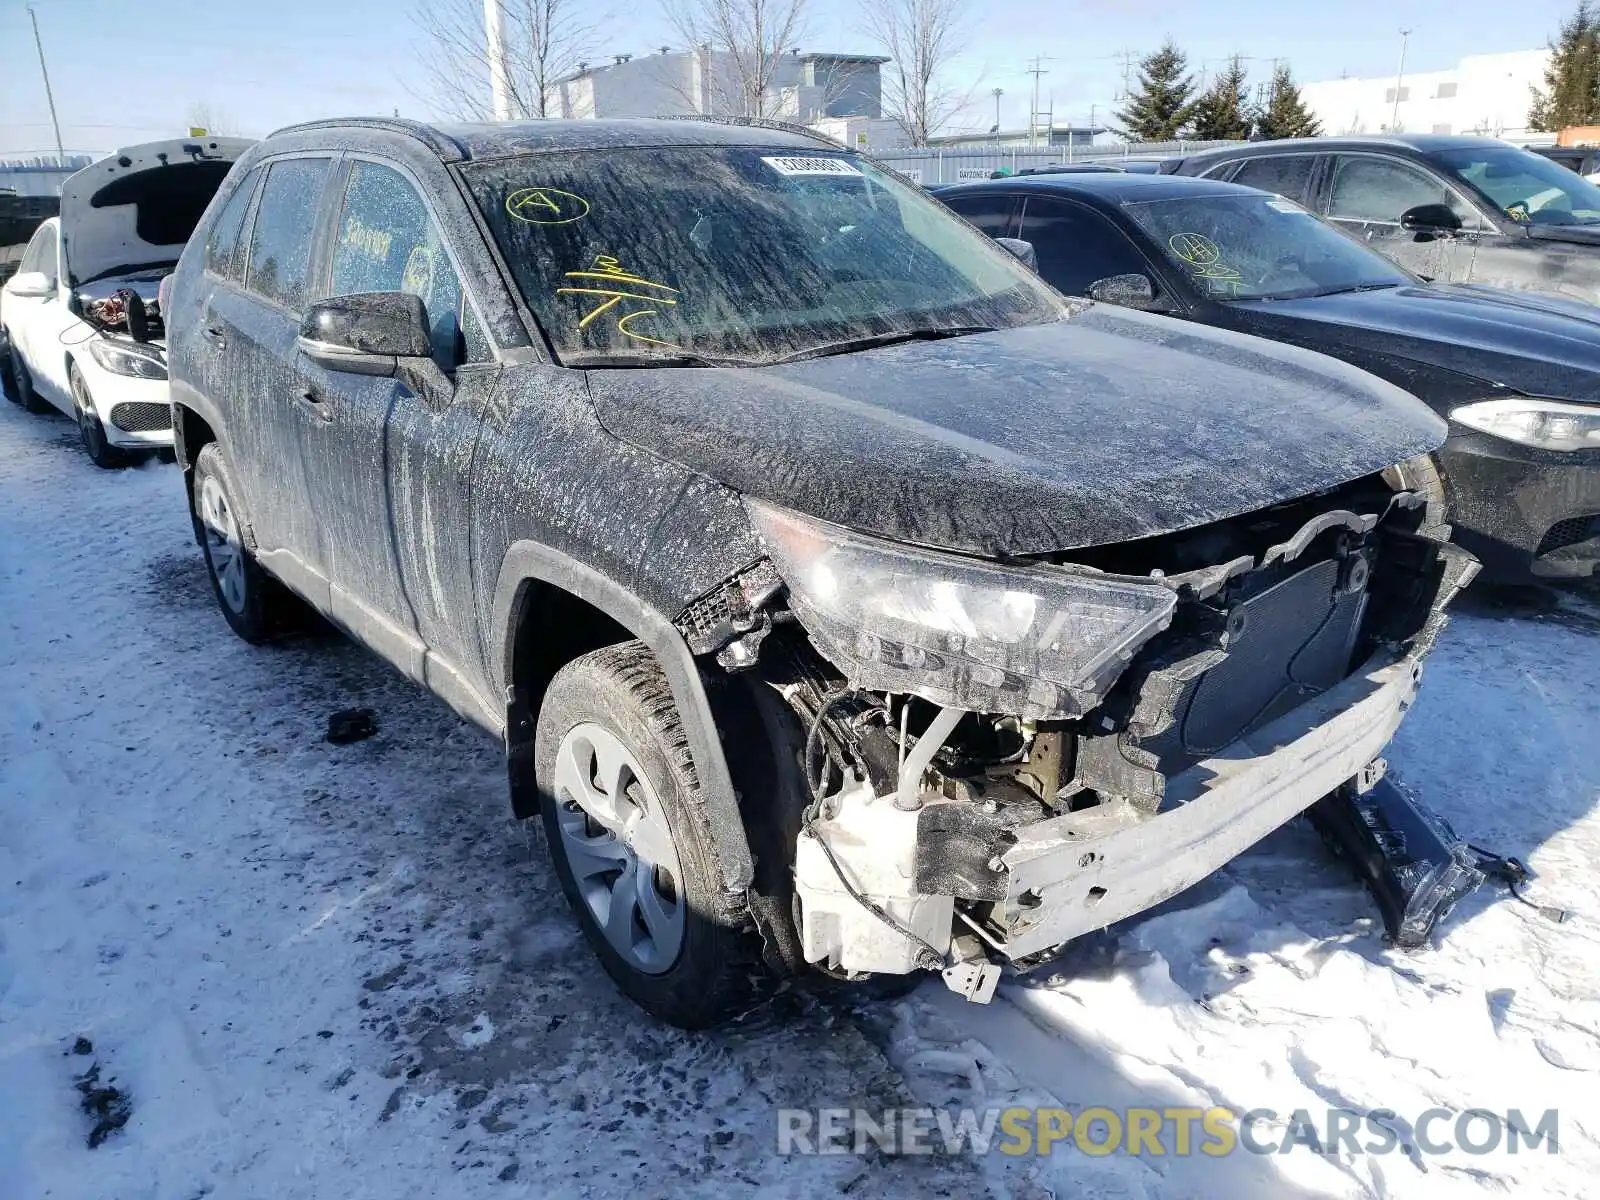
(545, 41)
(743, 47)
(205, 115)
(921, 37)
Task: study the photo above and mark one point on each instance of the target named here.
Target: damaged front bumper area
(1001, 759)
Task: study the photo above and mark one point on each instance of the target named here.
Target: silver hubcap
(224, 550)
(615, 838)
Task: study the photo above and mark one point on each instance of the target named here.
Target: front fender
(527, 562)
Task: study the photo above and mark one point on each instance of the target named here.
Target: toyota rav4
(848, 601)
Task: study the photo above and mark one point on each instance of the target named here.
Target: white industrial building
(1483, 94)
(805, 87)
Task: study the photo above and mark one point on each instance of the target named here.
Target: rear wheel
(625, 820)
(101, 452)
(19, 385)
(254, 604)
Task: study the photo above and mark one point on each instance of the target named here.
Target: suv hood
(1108, 426)
(1540, 344)
(137, 208)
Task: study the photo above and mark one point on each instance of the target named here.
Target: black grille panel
(1296, 641)
(1568, 533)
(140, 417)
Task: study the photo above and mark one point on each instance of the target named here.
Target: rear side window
(1286, 175)
(225, 248)
(991, 214)
(286, 221)
(389, 243)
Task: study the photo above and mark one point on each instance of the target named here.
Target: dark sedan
(1517, 374)
(1456, 209)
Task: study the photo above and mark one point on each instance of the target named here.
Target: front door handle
(215, 336)
(309, 403)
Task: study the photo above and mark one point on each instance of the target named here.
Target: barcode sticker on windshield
(811, 166)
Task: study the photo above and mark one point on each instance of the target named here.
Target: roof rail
(446, 147)
(759, 123)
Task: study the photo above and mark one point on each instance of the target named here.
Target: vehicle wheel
(19, 385)
(251, 600)
(101, 452)
(1421, 475)
(625, 820)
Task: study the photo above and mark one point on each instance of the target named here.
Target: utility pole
(1399, 78)
(61, 155)
(998, 92)
(494, 39)
(1035, 70)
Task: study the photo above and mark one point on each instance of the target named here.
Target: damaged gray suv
(849, 602)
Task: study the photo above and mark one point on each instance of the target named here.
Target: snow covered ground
(323, 971)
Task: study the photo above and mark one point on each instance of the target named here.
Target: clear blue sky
(130, 70)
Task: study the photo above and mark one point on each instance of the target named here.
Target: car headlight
(1042, 642)
(129, 358)
(1544, 424)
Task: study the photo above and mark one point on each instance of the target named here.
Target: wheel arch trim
(528, 562)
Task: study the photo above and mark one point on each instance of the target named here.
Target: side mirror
(370, 333)
(1129, 291)
(1022, 250)
(1430, 218)
(31, 284)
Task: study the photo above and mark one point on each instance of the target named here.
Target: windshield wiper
(1357, 287)
(873, 341)
(684, 359)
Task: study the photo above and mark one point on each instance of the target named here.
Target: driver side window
(388, 242)
(1376, 190)
(41, 254)
(1076, 246)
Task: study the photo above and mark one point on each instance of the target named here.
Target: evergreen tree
(1159, 108)
(1285, 114)
(1571, 94)
(1223, 112)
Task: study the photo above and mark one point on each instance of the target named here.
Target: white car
(80, 321)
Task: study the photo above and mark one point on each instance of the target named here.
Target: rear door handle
(215, 335)
(317, 408)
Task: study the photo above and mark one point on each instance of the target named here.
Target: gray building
(805, 87)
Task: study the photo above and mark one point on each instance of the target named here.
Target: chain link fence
(935, 166)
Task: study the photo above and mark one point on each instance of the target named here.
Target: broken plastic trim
(1412, 862)
(1041, 642)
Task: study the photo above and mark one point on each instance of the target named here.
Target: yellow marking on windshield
(622, 325)
(546, 206)
(1195, 248)
(609, 268)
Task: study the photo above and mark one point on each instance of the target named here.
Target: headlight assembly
(129, 358)
(1543, 424)
(1040, 642)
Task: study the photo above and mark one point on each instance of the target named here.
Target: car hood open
(1540, 344)
(1105, 427)
(137, 208)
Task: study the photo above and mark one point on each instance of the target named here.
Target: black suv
(696, 461)
(1455, 209)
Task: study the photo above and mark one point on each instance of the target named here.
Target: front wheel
(628, 831)
(101, 452)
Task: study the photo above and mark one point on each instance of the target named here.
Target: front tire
(101, 452)
(625, 819)
(252, 602)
